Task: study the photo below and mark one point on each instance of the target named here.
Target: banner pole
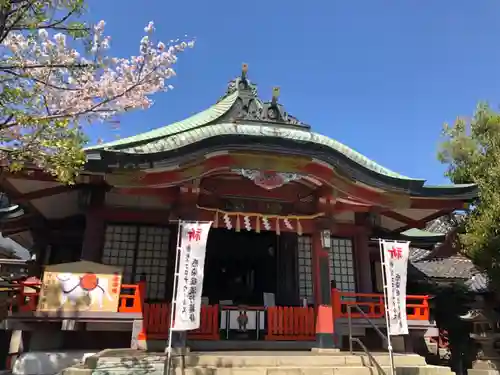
(174, 297)
(384, 284)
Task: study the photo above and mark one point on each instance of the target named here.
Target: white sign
(193, 245)
(395, 264)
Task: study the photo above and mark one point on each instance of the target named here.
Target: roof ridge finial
(244, 70)
(276, 95)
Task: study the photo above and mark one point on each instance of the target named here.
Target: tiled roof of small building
(452, 266)
(417, 254)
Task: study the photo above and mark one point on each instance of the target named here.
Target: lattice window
(152, 253)
(342, 264)
(119, 249)
(304, 255)
(140, 251)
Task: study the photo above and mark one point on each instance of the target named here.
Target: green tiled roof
(205, 125)
(200, 133)
(193, 122)
(419, 233)
(240, 112)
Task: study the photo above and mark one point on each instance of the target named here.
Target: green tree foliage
(449, 302)
(471, 150)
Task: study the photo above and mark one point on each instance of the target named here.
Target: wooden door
(286, 270)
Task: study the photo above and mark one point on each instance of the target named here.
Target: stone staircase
(125, 362)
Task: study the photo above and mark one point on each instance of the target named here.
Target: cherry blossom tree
(56, 77)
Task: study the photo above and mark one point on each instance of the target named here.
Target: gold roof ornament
(276, 94)
(244, 70)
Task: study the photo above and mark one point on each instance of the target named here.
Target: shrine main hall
(296, 217)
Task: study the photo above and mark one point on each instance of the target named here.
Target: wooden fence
(157, 321)
(291, 324)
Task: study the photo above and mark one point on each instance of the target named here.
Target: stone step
(122, 362)
(341, 370)
(260, 359)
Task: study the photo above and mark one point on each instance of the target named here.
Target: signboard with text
(193, 244)
(395, 264)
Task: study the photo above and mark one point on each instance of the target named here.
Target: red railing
(417, 307)
(157, 321)
(132, 298)
(291, 324)
(283, 323)
(26, 296)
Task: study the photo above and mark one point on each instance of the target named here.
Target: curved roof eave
(215, 124)
(320, 147)
(182, 139)
(452, 190)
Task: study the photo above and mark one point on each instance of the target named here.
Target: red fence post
(425, 308)
(141, 294)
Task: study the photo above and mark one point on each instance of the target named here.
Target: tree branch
(44, 83)
(46, 66)
(94, 108)
(21, 12)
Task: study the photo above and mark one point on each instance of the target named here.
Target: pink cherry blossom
(61, 86)
(96, 86)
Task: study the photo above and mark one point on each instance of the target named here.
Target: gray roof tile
(454, 266)
(417, 254)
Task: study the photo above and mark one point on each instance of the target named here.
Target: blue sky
(379, 76)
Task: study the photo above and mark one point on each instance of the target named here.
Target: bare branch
(46, 66)
(44, 83)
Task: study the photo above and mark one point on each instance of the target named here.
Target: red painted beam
(347, 207)
(166, 195)
(159, 217)
(30, 174)
(247, 189)
(423, 222)
(401, 218)
(225, 161)
(44, 193)
(125, 215)
(345, 186)
(12, 192)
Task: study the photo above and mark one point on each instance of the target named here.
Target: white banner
(193, 245)
(395, 264)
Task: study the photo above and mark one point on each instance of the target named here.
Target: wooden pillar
(325, 325)
(362, 254)
(93, 237)
(40, 234)
(185, 207)
(94, 226)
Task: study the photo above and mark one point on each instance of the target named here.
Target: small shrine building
(292, 211)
